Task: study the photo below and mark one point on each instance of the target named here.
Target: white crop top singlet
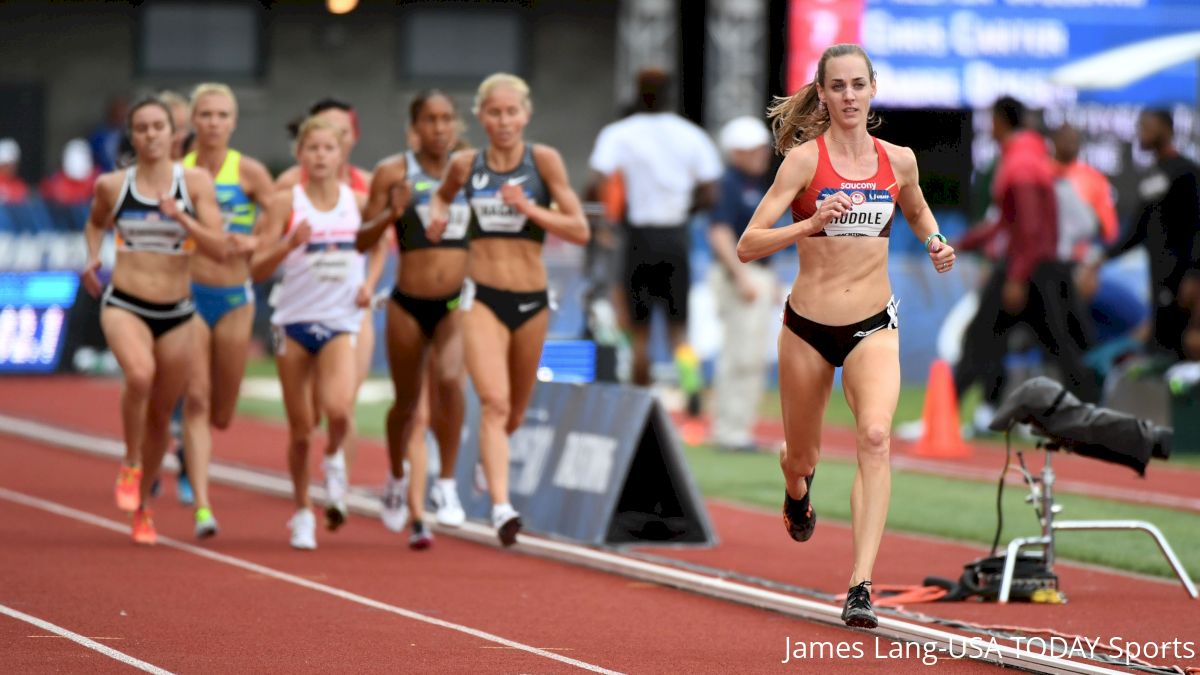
(322, 278)
(141, 225)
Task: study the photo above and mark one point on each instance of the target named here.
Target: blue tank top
(490, 216)
(410, 227)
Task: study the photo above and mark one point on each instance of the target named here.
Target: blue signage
(568, 361)
(33, 319)
(967, 53)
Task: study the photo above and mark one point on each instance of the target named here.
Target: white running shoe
(444, 495)
(304, 530)
(336, 485)
(507, 522)
(394, 513)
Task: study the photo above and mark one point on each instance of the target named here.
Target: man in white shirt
(669, 167)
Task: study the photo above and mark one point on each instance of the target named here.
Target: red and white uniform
(873, 199)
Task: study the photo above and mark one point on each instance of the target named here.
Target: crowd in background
(1050, 225)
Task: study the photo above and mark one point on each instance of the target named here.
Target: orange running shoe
(129, 482)
(143, 528)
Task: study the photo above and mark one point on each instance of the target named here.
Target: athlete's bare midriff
(233, 272)
(153, 277)
(432, 272)
(507, 264)
(842, 280)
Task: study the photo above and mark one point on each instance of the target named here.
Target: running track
(174, 608)
(535, 602)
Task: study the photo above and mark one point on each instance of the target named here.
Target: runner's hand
(832, 207)
(300, 235)
(364, 297)
(941, 255)
(90, 278)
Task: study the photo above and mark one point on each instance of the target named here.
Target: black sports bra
(490, 216)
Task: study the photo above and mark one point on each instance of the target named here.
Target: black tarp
(1083, 428)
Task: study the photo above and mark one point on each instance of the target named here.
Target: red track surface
(182, 612)
(76, 575)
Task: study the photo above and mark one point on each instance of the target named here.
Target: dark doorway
(22, 118)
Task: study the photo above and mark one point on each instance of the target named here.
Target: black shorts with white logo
(836, 342)
(160, 318)
(513, 308)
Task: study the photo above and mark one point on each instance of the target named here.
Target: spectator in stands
(1168, 224)
(1085, 198)
(72, 184)
(13, 190)
(746, 295)
(107, 139)
(1029, 284)
(670, 169)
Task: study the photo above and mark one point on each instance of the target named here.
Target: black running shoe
(508, 531)
(335, 516)
(858, 612)
(507, 522)
(798, 515)
(421, 538)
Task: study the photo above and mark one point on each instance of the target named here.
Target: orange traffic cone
(941, 437)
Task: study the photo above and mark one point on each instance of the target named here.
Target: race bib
(334, 266)
(496, 216)
(870, 212)
(460, 218)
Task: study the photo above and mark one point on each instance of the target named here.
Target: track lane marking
(122, 528)
(595, 559)
(78, 639)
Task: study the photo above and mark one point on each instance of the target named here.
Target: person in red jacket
(13, 190)
(1029, 285)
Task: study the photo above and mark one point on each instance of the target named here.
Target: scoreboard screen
(33, 319)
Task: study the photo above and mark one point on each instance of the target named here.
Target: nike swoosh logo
(528, 307)
(518, 180)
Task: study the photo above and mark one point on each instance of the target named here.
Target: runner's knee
(139, 379)
(874, 439)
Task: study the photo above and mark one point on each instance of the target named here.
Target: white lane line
(713, 587)
(81, 640)
(91, 519)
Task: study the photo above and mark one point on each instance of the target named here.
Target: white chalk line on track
(604, 561)
(92, 519)
(81, 640)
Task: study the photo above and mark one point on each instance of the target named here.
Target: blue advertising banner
(33, 317)
(966, 53)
